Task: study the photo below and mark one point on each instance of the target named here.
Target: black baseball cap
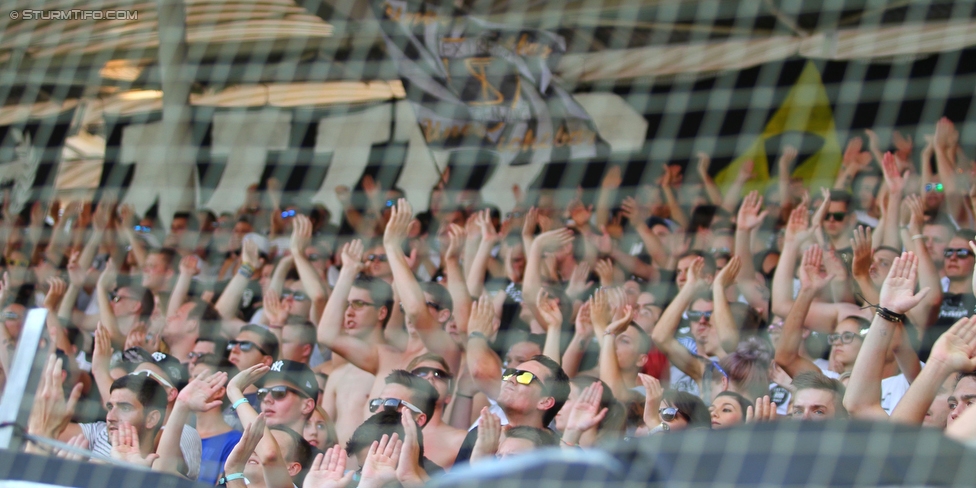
(172, 367)
(296, 373)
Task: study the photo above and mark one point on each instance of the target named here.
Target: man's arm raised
(412, 296)
(362, 354)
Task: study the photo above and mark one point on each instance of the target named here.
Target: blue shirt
(216, 449)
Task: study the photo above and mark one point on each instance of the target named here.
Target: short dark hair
(967, 234)
(269, 343)
(841, 196)
(538, 437)
(303, 453)
(709, 260)
(644, 347)
(689, 406)
(744, 402)
(441, 297)
(207, 317)
(307, 334)
(148, 391)
(557, 384)
(425, 395)
(375, 427)
(815, 380)
(379, 291)
(171, 256)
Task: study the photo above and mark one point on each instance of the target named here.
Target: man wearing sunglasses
(288, 394)
(445, 440)
(253, 345)
(958, 300)
(838, 222)
(531, 394)
(173, 376)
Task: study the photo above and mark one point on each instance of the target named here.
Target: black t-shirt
(954, 307)
(464, 454)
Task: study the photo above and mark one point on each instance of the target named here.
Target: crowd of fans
(274, 347)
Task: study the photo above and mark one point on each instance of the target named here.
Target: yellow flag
(806, 110)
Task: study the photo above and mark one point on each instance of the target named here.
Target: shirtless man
(363, 343)
(441, 440)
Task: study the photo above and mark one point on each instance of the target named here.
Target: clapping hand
(898, 290)
(329, 470)
(380, 465)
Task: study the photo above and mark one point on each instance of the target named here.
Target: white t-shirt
(190, 445)
(893, 389)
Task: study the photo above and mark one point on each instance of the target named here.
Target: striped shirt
(97, 435)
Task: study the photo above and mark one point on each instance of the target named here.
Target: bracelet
(477, 334)
(246, 271)
(464, 396)
(238, 403)
(567, 443)
(918, 236)
(232, 477)
(890, 316)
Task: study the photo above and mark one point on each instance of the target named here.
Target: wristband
(246, 271)
(918, 236)
(464, 396)
(232, 477)
(238, 403)
(477, 334)
(890, 316)
(568, 444)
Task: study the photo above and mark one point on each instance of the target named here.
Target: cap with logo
(296, 373)
(174, 370)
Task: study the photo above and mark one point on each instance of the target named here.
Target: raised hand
(487, 228)
(549, 310)
(810, 276)
(554, 239)
(634, 212)
(127, 216)
(197, 394)
(102, 354)
(56, 289)
(944, 130)
(652, 399)
(749, 216)
(301, 234)
(249, 253)
(789, 155)
(489, 434)
(584, 326)
(622, 318)
(863, 254)
(275, 309)
(51, 413)
(898, 291)
(903, 146)
(109, 275)
(895, 181)
(578, 283)
(329, 470)
(482, 318)
(247, 377)
(600, 311)
(409, 471)
(834, 266)
(726, 277)
(612, 179)
(455, 241)
(126, 446)
(797, 228)
(586, 412)
(916, 214)
(854, 158)
(352, 256)
(380, 465)
(398, 227)
(604, 269)
(956, 347)
(78, 441)
(189, 265)
(696, 275)
(76, 274)
(764, 411)
(745, 172)
(238, 457)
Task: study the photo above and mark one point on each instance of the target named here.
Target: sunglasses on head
(18, 263)
(376, 257)
(153, 375)
(668, 414)
(245, 346)
(278, 393)
(360, 304)
(845, 338)
(425, 371)
(295, 295)
(11, 316)
(836, 216)
(934, 187)
(696, 316)
(521, 376)
(391, 405)
(118, 298)
(314, 257)
(959, 253)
